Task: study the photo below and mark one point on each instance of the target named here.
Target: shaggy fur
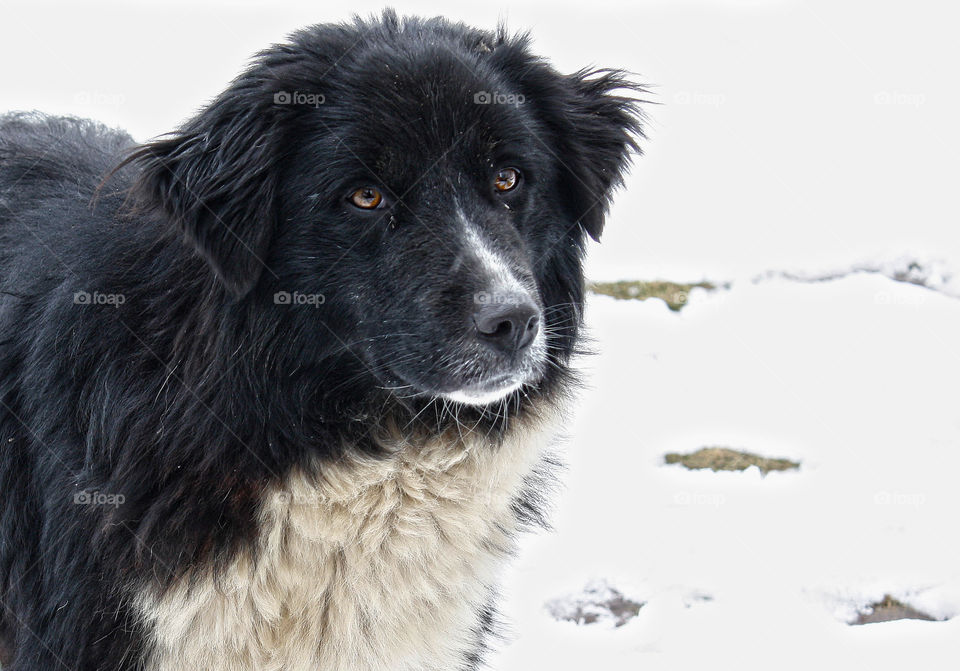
(201, 472)
(391, 558)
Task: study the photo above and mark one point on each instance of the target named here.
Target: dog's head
(414, 193)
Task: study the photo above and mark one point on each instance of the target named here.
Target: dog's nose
(508, 327)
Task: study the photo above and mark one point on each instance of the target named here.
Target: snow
(598, 602)
(931, 272)
(857, 379)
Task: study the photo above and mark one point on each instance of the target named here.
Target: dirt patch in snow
(889, 609)
(725, 459)
(674, 294)
(598, 603)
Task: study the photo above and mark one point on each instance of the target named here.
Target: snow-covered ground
(857, 378)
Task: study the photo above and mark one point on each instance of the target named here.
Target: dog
(277, 390)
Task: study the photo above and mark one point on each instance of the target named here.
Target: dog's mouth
(474, 390)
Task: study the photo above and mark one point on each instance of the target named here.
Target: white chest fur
(373, 565)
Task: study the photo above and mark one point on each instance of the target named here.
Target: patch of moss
(673, 294)
(725, 459)
(889, 609)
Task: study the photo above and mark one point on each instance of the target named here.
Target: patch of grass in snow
(889, 609)
(673, 294)
(725, 459)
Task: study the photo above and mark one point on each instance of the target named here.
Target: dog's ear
(216, 180)
(601, 133)
(594, 122)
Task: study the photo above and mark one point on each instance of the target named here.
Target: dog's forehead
(427, 69)
(431, 102)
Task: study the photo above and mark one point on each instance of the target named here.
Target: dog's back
(51, 172)
(45, 158)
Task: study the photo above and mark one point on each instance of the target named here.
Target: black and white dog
(275, 389)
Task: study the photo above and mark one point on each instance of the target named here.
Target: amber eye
(366, 198)
(506, 179)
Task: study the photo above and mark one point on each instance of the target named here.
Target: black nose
(508, 327)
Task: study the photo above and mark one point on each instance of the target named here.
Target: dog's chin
(484, 395)
(477, 394)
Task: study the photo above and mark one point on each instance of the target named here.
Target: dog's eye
(506, 179)
(366, 198)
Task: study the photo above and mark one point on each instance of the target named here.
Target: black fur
(182, 386)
